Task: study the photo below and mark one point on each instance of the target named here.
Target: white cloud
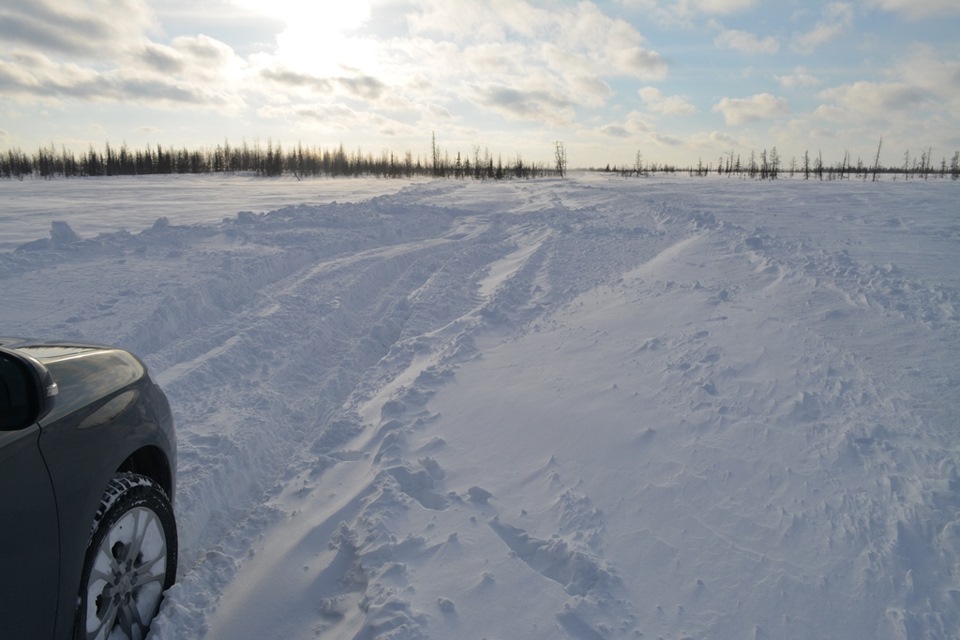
(937, 78)
(762, 106)
(865, 97)
(724, 6)
(746, 42)
(799, 78)
(665, 139)
(532, 104)
(836, 18)
(33, 77)
(831, 113)
(666, 105)
(474, 21)
(87, 29)
(592, 91)
(545, 63)
(200, 58)
(922, 93)
(718, 137)
(579, 38)
(640, 63)
(615, 131)
(359, 87)
(98, 51)
(673, 13)
(636, 123)
(919, 9)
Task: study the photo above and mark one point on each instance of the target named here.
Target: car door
(29, 539)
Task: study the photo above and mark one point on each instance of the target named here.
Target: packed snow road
(590, 408)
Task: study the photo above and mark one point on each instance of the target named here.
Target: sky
(678, 82)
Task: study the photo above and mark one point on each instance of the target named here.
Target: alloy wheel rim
(127, 578)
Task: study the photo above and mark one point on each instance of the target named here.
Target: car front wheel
(130, 562)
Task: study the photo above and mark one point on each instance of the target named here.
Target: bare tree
(638, 163)
(876, 160)
(560, 155)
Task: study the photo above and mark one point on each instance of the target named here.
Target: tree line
(272, 160)
(770, 165)
(303, 161)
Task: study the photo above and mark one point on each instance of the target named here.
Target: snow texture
(589, 408)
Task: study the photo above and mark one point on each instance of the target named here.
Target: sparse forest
(270, 161)
(770, 165)
(312, 161)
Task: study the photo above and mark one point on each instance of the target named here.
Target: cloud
(634, 123)
(204, 49)
(746, 42)
(199, 58)
(641, 63)
(162, 58)
(919, 9)
(763, 106)
(682, 13)
(336, 118)
(98, 51)
(485, 59)
(665, 139)
(525, 104)
(85, 28)
(919, 101)
(615, 131)
(546, 64)
(477, 21)
(666, 105)
(918, 105)
(591, 90)
(577, 39)
(365, 87)
(724, 6)
(34, 76)
(836, 18)
(297, 80)
(799, 78)
(884, 97)
(936, 77)
(718, 137)
(360, 87)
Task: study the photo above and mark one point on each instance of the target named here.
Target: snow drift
(590, 408)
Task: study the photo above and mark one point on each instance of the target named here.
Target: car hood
(47, 351)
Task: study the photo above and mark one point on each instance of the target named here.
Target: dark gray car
(88, 540)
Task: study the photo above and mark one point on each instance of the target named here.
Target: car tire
(130, 561)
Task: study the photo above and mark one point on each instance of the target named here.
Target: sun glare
(318, 37)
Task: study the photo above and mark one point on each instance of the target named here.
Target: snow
(589, 408)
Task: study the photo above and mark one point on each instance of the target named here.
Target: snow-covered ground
(589, 408)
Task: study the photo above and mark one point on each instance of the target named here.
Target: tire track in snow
(254, 430)
(377, 474)
(510, 294)
(280, 378)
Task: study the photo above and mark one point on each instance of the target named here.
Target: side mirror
(27, 390)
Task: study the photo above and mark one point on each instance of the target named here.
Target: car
(88, 540)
